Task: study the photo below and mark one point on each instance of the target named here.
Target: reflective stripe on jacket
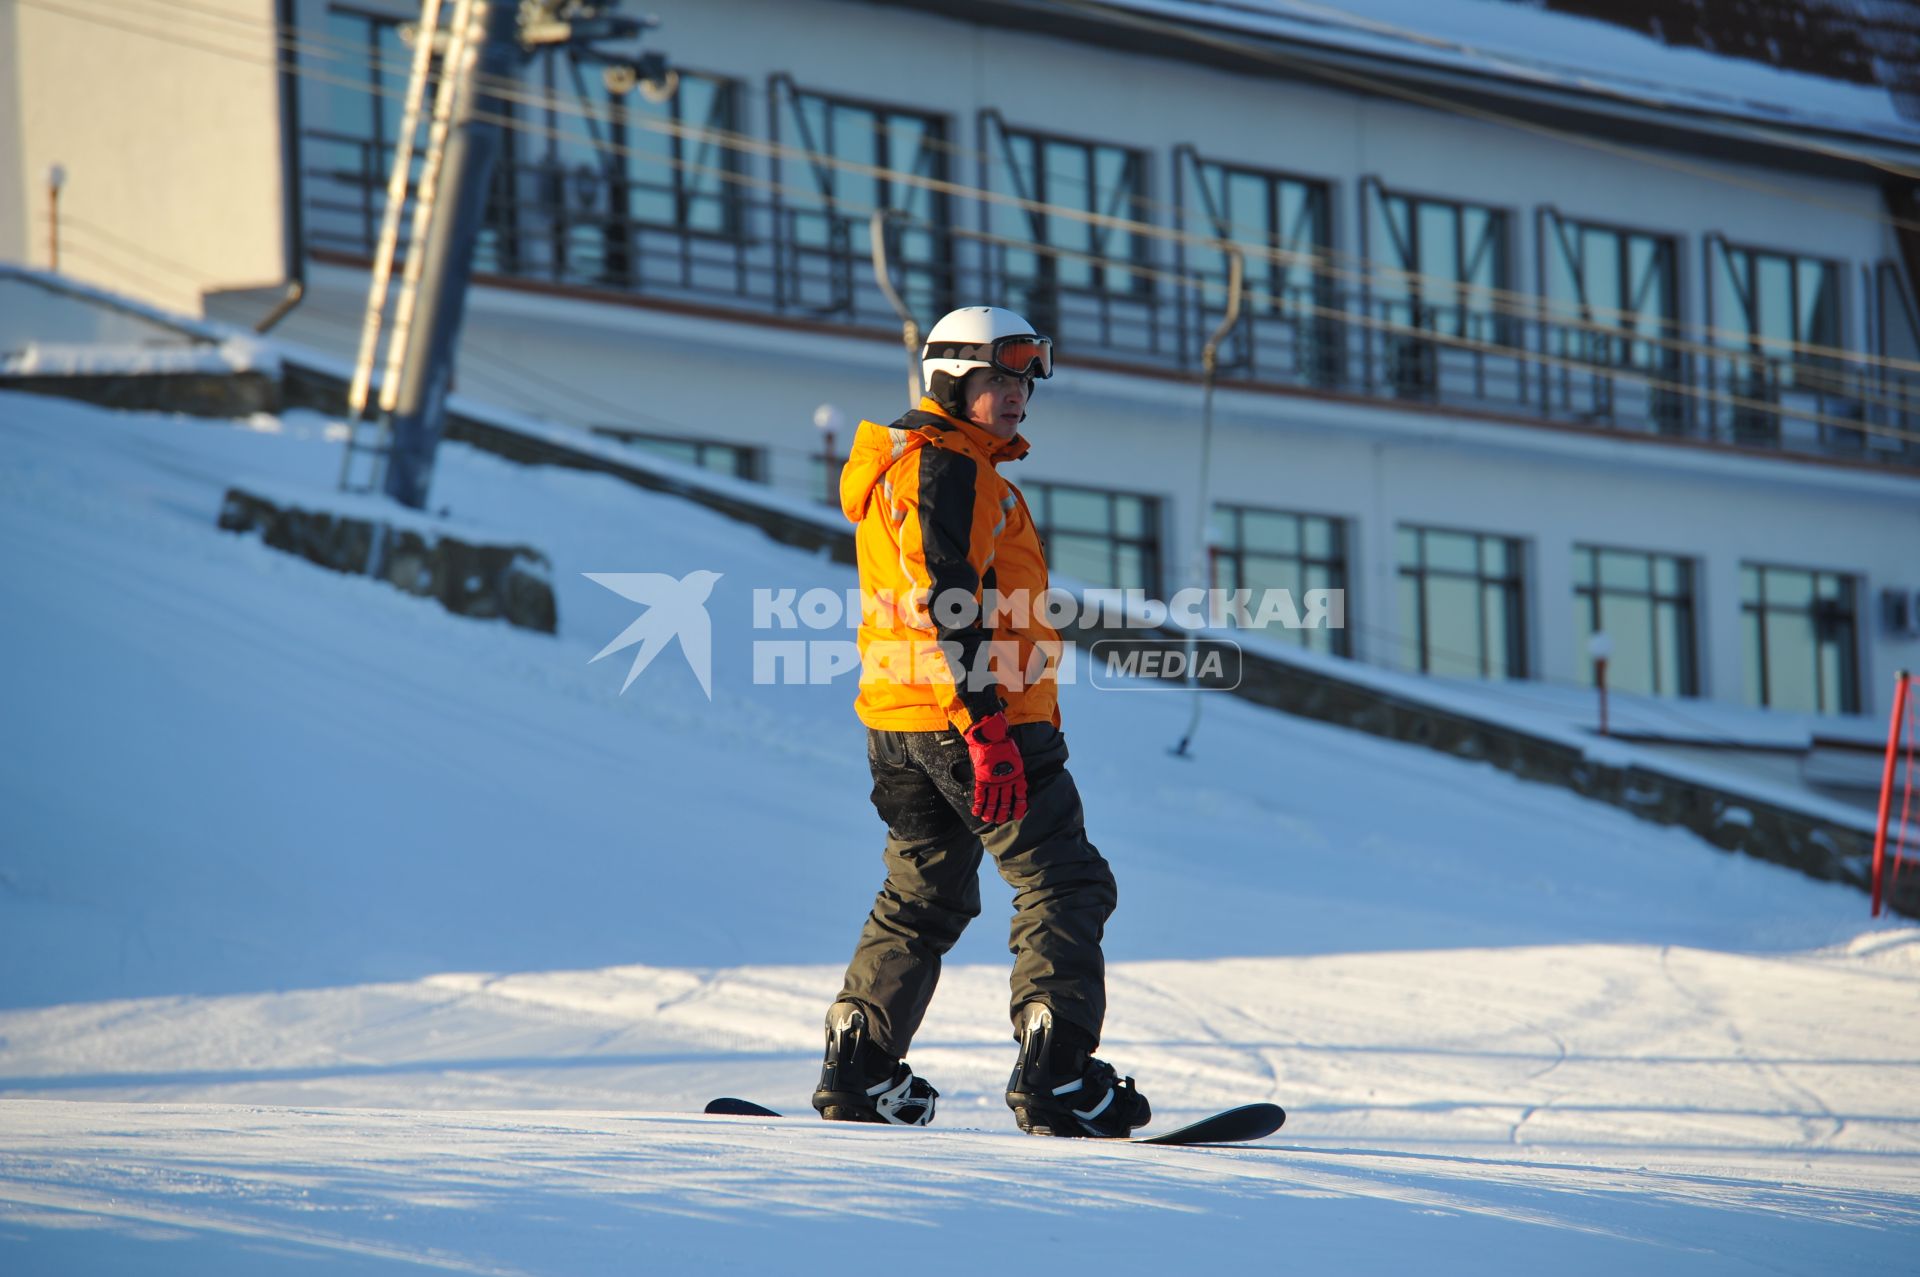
(938, 525)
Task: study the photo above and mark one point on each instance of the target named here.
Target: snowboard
(1232, 1126)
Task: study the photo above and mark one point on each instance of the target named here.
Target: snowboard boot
(861, 1083)
(1058, 1088)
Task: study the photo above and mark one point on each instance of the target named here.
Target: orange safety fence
(1902, 725)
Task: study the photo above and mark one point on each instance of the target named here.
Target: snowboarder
(964, 744)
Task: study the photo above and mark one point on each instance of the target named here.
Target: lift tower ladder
(370, 438)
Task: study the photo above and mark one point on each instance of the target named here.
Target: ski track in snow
(338, 934)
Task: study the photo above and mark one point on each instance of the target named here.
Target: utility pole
(491, 39)
(420, 399)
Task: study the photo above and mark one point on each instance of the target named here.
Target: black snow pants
(1063, 889)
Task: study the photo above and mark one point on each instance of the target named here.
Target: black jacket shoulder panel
(920, 419)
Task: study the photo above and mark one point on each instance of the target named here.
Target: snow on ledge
(227, 357)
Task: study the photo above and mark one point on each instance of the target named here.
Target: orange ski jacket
(953, 578)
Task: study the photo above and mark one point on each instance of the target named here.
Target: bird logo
(674, 609)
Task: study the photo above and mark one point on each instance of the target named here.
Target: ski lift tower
(479, 49)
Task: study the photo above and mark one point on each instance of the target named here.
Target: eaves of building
(1802, 146)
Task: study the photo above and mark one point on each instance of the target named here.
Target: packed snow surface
(339, 934)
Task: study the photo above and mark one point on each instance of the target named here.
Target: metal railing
(729, 248)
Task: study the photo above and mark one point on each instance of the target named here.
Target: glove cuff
(990, 730)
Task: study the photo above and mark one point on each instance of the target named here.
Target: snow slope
(340, 934)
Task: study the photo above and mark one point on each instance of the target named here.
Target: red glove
(999, 775)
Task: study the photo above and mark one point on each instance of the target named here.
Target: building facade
(1519, 361)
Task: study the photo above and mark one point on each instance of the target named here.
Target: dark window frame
(1608, 343)
(994, 133)
(622, 165)
(1039, 494)
(784, 91)
(1892, 299)
(503, 234)
(749, 460)
(1760, 369)
(1891, 283)
(376, 150)
(1592, 596)
(1754, 612)
(1320, 189)
(1410, 363)
(1502, 215)
(1518, 655)
(1318, 353)
(1555, 220)
(1713, 239)
(1236, 553)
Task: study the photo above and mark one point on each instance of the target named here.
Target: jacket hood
(876, 449)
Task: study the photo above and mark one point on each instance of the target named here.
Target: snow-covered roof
(1524, 44)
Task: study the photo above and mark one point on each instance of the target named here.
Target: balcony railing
(761, 255)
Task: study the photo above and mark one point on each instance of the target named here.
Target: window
(1644, 603)
(1618, 285)
(1769, 306)
(347, 146)
(1799, 627)
(826, 200)
(347, 154)
(1461, 604)
(585, 182)
(1088, 259)
(596, 175)
(1436, 265)
(1773, 302)
(1261, 550)
(1613, 301)
(1101, 538)
(1897, 324)
(823, 482)
(738, 460)
(681, 172)
(1286, 225)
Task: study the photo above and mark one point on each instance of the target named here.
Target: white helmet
(980, 337)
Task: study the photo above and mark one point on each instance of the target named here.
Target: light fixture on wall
(828, 419)
(649, 73)
(1900, 612)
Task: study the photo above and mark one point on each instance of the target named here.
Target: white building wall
(13, 195)
(167, 123)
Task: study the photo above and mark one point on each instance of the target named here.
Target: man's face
(996, 400)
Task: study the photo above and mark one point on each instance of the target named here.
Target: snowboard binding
(861, 1083)
(1058, 1088)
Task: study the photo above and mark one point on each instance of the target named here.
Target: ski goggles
(1027, 355)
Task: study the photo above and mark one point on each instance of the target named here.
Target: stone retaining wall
(511, 582)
